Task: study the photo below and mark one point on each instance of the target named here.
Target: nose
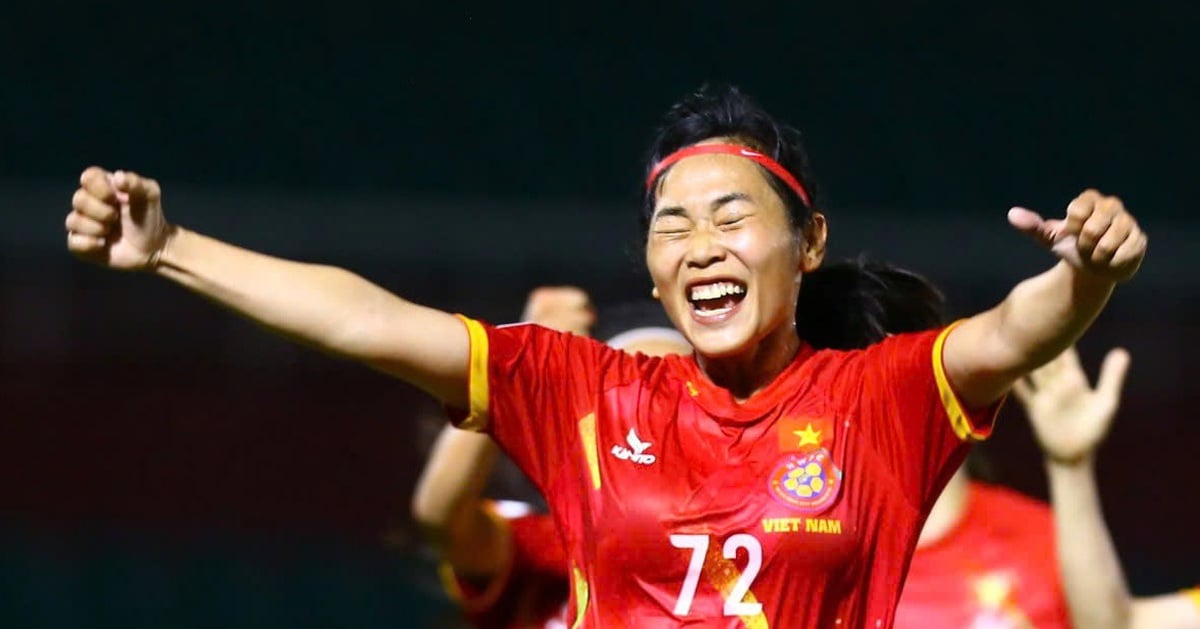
(705, 248)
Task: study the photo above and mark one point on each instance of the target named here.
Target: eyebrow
(676, 210)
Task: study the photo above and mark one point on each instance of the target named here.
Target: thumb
(1112, 373)
(1048, 233)
(135, 186)
(1026, 221)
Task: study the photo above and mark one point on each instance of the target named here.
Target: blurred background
(165, 464)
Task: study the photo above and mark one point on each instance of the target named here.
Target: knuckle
(90, 172)
(153, 190)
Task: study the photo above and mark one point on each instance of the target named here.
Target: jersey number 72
(735, 603)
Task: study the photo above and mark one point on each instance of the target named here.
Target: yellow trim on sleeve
(1194, 595)
(587, 436)
(959, 420)
(581, 596)
(477, 377)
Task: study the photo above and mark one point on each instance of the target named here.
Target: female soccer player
(757, 481)
(502, 562)
(1070, 420)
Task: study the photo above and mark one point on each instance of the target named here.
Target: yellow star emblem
(808, 436)
(992, 590)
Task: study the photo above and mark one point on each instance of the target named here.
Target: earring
(654, 292)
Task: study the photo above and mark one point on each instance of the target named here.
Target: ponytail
(854, 303)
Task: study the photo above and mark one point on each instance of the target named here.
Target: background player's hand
(116, 220)
(1069, 417)
(1098, 235)
(562, 308)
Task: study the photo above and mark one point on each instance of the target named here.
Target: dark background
(165, 464)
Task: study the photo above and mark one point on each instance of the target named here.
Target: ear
(812, 250)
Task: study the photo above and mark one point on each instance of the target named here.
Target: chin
(717, 344)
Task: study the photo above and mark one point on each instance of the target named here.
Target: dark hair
(842, 305)
(724, 111)
(854, 303)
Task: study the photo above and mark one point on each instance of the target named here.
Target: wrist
(1089, 279)
(1083, 463)
(162, 256)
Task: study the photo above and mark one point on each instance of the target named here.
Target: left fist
(1098, 235)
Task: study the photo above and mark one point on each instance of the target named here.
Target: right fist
(562, 308)
(116, 220)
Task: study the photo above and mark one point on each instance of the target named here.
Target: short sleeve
(913, 415)
(528, 387)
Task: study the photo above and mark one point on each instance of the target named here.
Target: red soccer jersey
(532, 590)
(799, 507)
(996, 569)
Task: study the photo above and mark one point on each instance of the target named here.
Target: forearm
(1040, 318)
(448, 504)
(325, 307)
(453, 480)
(1091, 572)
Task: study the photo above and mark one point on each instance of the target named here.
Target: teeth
(712, 313)
(716, 290)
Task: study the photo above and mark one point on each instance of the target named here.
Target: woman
(755, 482)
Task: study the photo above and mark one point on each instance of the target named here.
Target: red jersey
(995, 569)
(532, 590)
(678, 505)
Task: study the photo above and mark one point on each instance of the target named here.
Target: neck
(949, 509)
(746, 374)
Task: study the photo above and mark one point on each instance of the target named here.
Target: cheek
(769, 255)
(660, 265)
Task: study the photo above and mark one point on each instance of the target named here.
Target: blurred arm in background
(1070, 420)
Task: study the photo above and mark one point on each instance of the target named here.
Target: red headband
(731, 149)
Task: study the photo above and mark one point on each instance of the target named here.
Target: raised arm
(1099, 245)
(1070, 420)
(117, 221)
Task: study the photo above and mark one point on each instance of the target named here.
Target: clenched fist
(116, 220)
(562, 308)
(1097, 235)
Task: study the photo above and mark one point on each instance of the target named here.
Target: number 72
(735, 603)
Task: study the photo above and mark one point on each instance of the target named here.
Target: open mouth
(715, 300)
